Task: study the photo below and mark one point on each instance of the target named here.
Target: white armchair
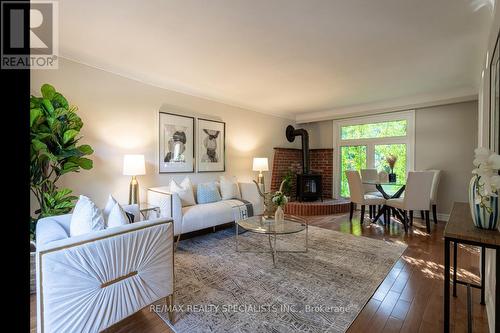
(89, 282)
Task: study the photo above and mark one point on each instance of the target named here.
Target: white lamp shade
(260, 164)
(134, 165)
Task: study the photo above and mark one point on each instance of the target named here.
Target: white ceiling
(284, 57)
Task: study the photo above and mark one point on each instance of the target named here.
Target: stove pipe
(291, 133)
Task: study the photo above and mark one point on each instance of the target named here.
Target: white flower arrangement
(487, 164)
(279, 199)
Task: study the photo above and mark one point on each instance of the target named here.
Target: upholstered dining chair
(417, 197)
(358, 195)
(434, 190)
(370, 175)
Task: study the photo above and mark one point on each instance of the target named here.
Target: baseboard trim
(443, 217)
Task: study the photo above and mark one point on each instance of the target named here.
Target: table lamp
(133, 165)
(260, 164)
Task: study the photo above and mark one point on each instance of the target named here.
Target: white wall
(121, 116)
(445, 138)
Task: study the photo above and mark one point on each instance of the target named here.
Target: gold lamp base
(133, 194)
(260, 180)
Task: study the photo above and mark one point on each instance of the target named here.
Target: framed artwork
(494, 99)
(211, 148)
(176, 135)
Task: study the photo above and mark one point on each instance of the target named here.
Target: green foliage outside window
(398, 150)
(374, 130)
(353, 158)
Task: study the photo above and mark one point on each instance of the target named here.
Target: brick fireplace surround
(291, 159)
(321, 162)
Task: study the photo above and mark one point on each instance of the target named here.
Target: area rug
(323, 290)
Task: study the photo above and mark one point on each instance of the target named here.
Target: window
(374, 130)
(365, 142)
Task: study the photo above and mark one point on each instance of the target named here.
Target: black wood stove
(309, 185)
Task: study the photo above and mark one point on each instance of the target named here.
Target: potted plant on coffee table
(280, 200)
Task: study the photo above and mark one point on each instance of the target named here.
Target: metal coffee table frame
(272, 235)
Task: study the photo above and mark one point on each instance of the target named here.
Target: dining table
(386, 210)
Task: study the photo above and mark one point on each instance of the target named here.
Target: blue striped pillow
(208, 192)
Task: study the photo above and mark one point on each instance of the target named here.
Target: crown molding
(178, 88)
(399, 104)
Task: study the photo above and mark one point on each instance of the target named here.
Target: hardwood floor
(410, 299)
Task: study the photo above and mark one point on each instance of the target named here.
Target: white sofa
(201, 216)
(89, 282)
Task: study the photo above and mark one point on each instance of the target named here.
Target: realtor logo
(34, 46)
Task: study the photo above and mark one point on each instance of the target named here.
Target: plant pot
(32, 267)
(279, 215)
(484, 216)
(392, 177)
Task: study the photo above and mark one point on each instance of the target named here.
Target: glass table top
(263, 225)
(374, 182)
(144, 206)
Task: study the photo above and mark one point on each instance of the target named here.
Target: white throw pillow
(184, 191)
(229, 188)
(86, 217)
(109, 206)
(117, 217)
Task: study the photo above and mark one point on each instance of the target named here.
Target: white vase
(279, 216)
(487, 216)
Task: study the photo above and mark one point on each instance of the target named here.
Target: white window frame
(409, 140)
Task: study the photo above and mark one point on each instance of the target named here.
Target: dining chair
(434, 191)
(370, 189)
(417, 197)
(358, 195)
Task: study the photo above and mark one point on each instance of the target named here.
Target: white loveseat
(89, 282)
(201, 216)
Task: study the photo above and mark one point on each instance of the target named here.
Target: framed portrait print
(211, 150)
(176, 143)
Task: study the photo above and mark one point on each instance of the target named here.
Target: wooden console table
(461, 230)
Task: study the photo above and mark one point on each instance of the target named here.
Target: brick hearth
(327, 207)
(286, 159)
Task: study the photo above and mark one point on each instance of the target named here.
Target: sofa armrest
(250, 192)
(169, 203)
(121, 269)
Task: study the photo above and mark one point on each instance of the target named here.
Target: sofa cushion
(117, 217)
(86, 217)
(184, 191)
(109, 206)
(207, 193)
(206, 215)
(229, 188)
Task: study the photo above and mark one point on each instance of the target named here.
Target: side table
(146, 209)
(461, 230)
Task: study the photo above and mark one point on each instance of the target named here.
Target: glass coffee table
(268, 226)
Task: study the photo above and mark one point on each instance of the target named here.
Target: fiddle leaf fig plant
(54, 152)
